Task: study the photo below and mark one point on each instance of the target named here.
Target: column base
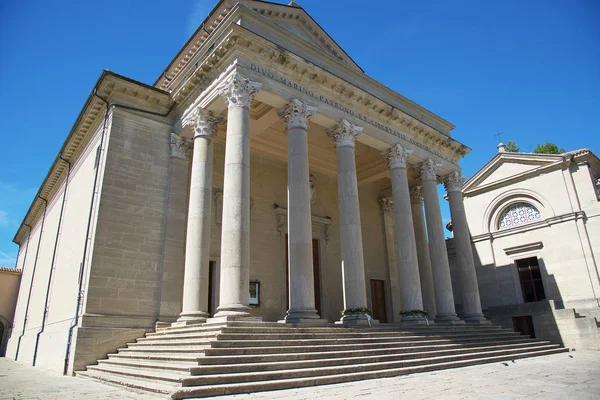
(229, 318)
(357, 320)
(304, 321)
(415, 319)
(296, 316)
(476, 319)
(448, 319)
(191, 318)
(233, 310)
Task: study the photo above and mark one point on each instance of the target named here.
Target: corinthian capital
(396, 156)
(454, 181)
(416, 194)
(297, 114)
(387, 204)
(429, 170)
(238, 90)
(203, 121)
(344, 134)
(179, 147)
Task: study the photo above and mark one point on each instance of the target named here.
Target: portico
(268, 115)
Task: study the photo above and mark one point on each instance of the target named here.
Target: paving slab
(573, 376)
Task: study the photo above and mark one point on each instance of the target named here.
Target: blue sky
(529, 69)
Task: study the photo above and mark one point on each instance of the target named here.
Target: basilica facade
(263, 176)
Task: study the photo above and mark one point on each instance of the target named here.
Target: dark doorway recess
(378, 300)
(524, 325)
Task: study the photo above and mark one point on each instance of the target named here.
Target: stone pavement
(572, 376)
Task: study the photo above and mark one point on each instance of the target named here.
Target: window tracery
(518, 214)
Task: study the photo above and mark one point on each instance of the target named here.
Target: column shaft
(235, 233)
(423, 252)
(444, 297)
(387, 207)
(464, 252)
(408, 266)
(197, 250)
(353, 270)
(300, 255)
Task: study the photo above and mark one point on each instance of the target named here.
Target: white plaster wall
(63, 295)
(40, 284)
(24, 289)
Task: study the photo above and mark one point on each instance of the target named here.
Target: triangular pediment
(507, 166)
(299, 23)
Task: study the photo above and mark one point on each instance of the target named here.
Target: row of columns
(421, 272)
(431, 274)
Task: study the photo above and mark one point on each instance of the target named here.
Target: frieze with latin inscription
(332, 103)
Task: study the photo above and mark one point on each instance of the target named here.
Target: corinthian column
(464, 252)
(353, 268)
(407, 262)
(444, 298)
(238, 92)
(301, 278)
(416, 204)
(197, 245)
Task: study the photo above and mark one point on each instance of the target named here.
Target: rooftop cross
(498, 134)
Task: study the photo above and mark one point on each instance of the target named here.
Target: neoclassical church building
(262, 178)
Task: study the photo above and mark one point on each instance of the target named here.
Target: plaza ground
(574, 375)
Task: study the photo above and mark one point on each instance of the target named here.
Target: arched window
(518, 214)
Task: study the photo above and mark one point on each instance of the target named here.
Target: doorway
(378, 300)
(212, 285)
(524, 325)
(316, 274)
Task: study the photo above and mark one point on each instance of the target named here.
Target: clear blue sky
(530, 69)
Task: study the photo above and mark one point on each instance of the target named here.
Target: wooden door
(378, 300)
(316, 274)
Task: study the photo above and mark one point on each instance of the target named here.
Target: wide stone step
(339, 369)
(341, 335)
(216, 359)
(251, 341)
(149, 364)
(243, 333)
(166, 358)
(162, 377)
(166, 349)
(245, 340)
(353, 358)
(177, 336)
(130, 382)
(336, 377)
(224, 348)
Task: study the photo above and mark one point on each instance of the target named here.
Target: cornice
(108, 86)
(14, 271)
(572, 216)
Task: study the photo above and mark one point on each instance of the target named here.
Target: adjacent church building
(535, 226)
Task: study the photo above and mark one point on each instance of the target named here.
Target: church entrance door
(378, 300)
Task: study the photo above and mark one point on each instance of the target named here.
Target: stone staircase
(243, 357)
